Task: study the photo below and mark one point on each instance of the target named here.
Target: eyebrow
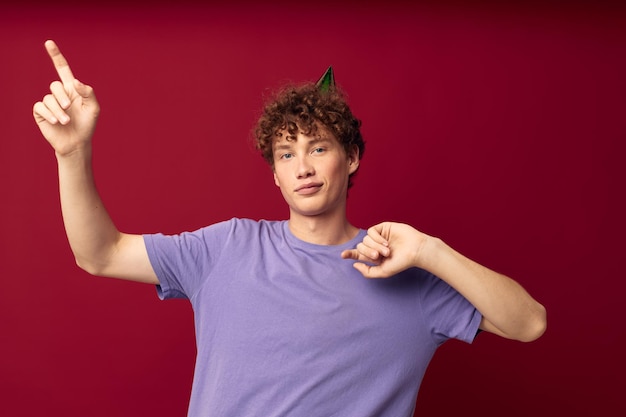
(282, 147)
(289, 143)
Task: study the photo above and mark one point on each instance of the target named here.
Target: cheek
(339, 169)
(280, 179)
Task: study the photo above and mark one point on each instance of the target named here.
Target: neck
(322, 230)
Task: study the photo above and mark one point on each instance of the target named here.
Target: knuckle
(50, 101)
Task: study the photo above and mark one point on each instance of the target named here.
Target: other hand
(388, 248)
(67, 116)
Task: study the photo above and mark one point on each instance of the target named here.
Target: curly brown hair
(302, 109)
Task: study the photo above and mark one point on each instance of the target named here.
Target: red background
(499, 128)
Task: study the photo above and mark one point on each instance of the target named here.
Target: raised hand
(387, 249)
(67, 116)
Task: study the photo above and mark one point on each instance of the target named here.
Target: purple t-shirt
(288, 328)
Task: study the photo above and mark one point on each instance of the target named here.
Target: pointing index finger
(60, 63)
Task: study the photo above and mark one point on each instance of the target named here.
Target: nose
(305, 168)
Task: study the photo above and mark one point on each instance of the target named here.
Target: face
(312, 173)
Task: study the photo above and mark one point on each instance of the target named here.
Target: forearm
(506, 307)
(91, 232)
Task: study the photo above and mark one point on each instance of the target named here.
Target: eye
(318, 150)
(286, 156)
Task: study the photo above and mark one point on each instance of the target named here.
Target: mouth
(309, 188)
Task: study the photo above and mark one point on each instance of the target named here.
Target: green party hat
(327, 81)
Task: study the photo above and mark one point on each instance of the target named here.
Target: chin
(307, 210)
(312, 211)
(309, 213)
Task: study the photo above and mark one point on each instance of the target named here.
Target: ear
(276, 179)
(353, 160)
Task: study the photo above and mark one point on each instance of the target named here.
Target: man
(286, 323)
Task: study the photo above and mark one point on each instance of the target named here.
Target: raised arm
(507, 309)
(67, 119)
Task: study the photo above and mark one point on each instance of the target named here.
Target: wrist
(429, 254)
(77, 153)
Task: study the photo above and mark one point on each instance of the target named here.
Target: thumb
(369, 271)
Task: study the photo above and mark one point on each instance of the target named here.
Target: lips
(308, 188)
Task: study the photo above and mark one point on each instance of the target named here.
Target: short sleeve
(182, 262)
(448, 314)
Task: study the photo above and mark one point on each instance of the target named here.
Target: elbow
(89, 267)
(537, 325)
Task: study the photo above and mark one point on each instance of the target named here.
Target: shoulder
(239, 225)
(236, 229)
(243, 231)
(244, 225)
